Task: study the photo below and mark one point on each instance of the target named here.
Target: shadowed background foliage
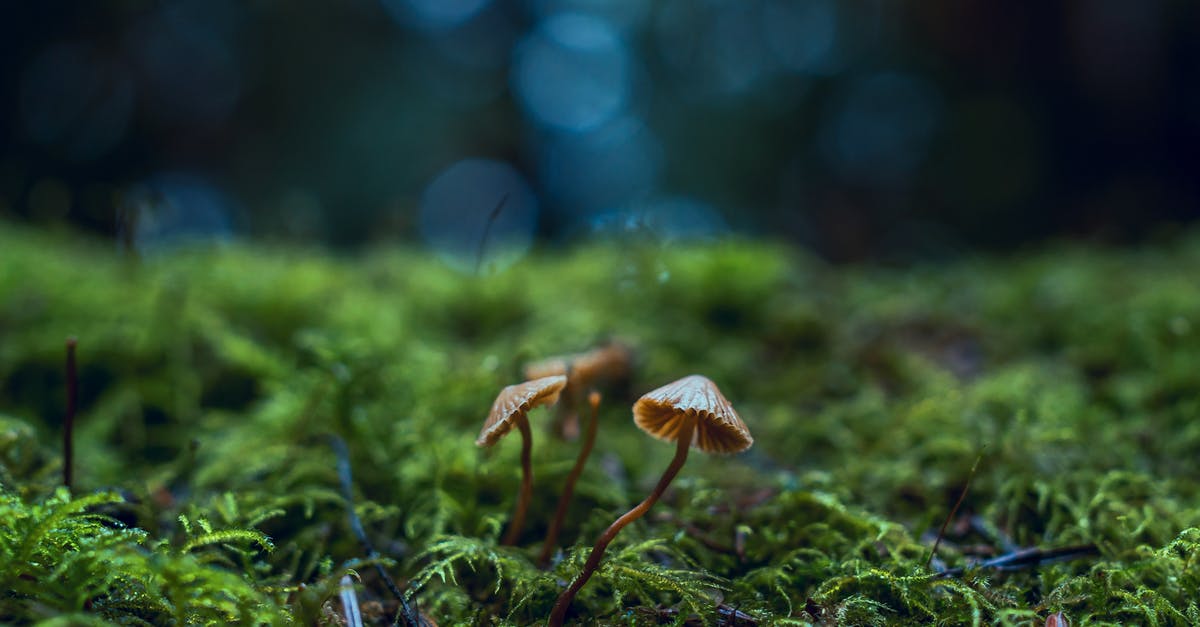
(859, 129)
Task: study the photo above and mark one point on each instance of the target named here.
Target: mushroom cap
(718, 428)
(547, 367)
(517, 400)
(609, 362)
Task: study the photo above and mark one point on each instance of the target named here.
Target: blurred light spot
(719, 49)
(602, 168)
(458, 205)
(74, 103)
(665, 220)
(625, 15)
(738, 56)
(801, 33)
(572, 72)
(433, 14)
(185, 50)
(175, 209)
(880, 130)
(49, 200)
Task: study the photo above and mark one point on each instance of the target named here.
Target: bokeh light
(457, 212)
(624, 15)
(827, 123)
(572, 72)
(607, 167)
(434, 14)
(714, 49)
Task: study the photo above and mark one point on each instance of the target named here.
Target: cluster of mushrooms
(691, 412)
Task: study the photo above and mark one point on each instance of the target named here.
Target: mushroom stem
(561, 512)
(518, 521)
(559, 613)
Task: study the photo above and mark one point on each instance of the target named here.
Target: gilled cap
(517, 400)
(718, 428)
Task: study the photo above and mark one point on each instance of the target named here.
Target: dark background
(873, 129)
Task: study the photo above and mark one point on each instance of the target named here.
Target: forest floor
(206, 483)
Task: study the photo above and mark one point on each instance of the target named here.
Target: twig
(953, 511)
(408, 612)
(1026, 558)
(69, 421)
(487, 231)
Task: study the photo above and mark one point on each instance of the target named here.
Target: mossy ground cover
(207, 491)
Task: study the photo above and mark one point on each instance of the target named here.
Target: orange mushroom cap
(610, 361)
(517, 400)
(719, 429)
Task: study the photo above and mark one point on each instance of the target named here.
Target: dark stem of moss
(518, 521)
(569, 489)
(559, 613)
(408, 615)
(954, 510)
(69, 420)
(487, 231)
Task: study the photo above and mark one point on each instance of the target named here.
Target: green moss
(207, 493)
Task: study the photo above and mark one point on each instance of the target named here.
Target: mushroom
(509, 410)
(569, 488)
(609, 362)
(690, 412)
(606, 362)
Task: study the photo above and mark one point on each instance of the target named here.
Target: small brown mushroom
(610, 362)
(691, 412)
(509, 410)
(569, 488)
(604, 363)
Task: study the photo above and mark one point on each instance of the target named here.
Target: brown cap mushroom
(509, 410)
(607, 362)
(661, 413)
(690, 411)
(514, 402)
(610, 362)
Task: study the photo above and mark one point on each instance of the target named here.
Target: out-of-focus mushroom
(509, 410)
(603, 364)
(690, 412)
(569, 488)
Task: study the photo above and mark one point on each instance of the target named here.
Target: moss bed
(207, 491)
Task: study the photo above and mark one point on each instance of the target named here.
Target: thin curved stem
(559, 613)
(561, 512)
(518, 520)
